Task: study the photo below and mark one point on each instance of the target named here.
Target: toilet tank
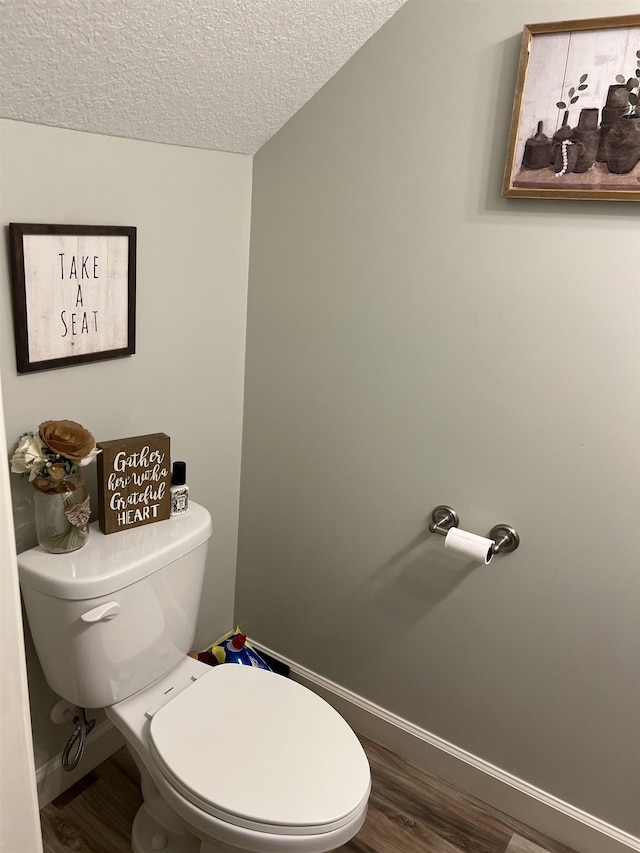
(112, 617)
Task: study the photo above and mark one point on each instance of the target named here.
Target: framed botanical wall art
(575, 128)
(73, 294)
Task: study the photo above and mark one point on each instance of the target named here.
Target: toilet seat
(262, 752)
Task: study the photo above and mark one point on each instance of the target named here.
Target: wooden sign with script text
(134, 479)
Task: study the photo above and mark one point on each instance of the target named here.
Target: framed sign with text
(134, 481)
(74, 293)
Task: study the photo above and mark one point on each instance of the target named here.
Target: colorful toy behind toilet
(233, 647)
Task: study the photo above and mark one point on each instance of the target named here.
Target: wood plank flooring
(409, 812)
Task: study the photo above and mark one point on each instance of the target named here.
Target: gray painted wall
(192, 211)
(414, 339)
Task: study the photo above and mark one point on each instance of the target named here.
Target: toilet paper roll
(467, 544)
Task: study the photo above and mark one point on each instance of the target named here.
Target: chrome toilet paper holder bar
(505, 537)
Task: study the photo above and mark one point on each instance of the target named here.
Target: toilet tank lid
(106, 564)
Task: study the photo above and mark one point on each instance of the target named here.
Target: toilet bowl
(232, 758)
(248, 760)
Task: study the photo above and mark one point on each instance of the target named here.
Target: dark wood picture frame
(74, 293)
(577, 101)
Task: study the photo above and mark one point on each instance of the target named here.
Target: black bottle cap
(179, 474)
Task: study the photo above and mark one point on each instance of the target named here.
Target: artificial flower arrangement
(52, 458)
(53, 454)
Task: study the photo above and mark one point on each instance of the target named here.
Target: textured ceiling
(217, 74)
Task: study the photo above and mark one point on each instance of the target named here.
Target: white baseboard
(534, 807)
(52, 780)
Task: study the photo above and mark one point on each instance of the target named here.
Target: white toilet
(232, 758)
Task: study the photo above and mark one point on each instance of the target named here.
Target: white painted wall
(19, 818)
(415, 339)
(192, 212)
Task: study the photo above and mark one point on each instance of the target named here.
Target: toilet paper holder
(505, 537)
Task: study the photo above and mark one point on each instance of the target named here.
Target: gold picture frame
(575, 126)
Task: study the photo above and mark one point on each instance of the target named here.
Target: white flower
(87, 459)
(29, 456)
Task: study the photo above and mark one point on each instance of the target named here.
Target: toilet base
(150, 836)
(156, 827)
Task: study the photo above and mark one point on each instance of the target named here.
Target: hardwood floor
(409, 812)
